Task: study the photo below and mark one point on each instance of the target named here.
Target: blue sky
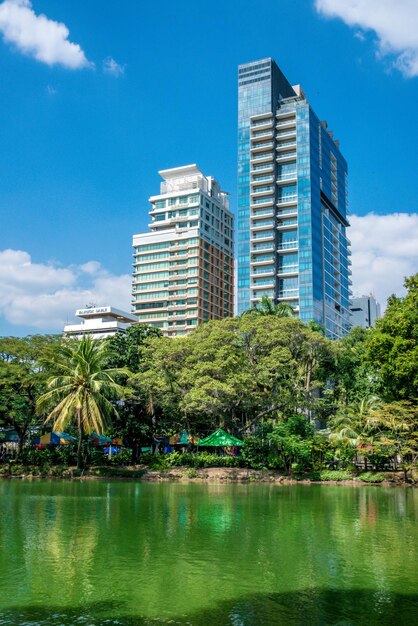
(152, 86)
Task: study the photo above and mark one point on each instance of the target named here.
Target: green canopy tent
(220, 439)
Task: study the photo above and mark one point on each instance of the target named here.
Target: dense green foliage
(80, 389)
(302, 403)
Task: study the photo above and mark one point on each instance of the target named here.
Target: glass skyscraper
(292, 204)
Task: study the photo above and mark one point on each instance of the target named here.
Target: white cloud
(38, 36)
(384, 251)
(110, 66)
(395, 23)
(45, 296)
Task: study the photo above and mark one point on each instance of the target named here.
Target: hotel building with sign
(100, 322)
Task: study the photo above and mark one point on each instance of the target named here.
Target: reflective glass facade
(292, 215)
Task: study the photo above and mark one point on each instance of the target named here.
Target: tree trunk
(21, 438)
(134, 456)
(308, 379)
(80, 442)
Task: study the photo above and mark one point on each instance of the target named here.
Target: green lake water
(136, 553)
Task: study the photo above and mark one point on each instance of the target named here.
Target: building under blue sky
(292, 202)
(93, 110)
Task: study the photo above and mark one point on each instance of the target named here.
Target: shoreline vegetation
(214, 475)
(287, 399)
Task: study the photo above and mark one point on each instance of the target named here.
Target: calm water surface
(136, 553)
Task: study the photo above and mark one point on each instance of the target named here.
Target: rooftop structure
(364, 310)
(100, 322)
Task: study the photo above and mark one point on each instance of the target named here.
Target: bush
(325, 475)
(337, 475)
(161, 462)
(54, 455)
(255, 453)
(372, 477)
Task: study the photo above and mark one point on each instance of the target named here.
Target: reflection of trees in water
(314, 606)
(171, 549)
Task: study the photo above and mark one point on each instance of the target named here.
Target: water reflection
(180, 552)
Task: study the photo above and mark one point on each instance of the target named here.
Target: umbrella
(54, 439)
(100, 440)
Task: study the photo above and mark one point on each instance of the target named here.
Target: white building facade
(100, 322)
(183, 268)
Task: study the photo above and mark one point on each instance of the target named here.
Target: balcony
(262, 201)
(264, 213)
(262, 235)
(288, 270)
(289, 294)
(288, 223)
(291, 210)
(262, 134)
(262, 247)
(286, 177)
(286, 133)
(286, 123)
(267, 121)
(259, 191)
(283, 145)
(284, 200)
(258, 262)
(264, 167)
(262, 225)
(287, 245)
(263, 156)
(260, 180)
(261, 146)
(283, 157)
(267, 283)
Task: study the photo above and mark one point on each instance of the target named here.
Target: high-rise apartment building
(365, 310)
(292, 205)
(184, 268)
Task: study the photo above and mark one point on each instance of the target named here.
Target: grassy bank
(208, 474)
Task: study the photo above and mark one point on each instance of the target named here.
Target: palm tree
(267, 307)
(81, 389)
(350, 426)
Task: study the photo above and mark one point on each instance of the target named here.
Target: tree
(266, 306)
(81, 388)
(236, 372)
(125, 348)
(350, 426)
(393, 346)
(354, 377)
(136, 416)
(22, 379)
(395, 426)
(292, 441)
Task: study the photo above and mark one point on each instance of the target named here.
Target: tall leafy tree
(22, 379)
(137, 415)
(393, 346)
(124, 349)
(236, 372)
(354, 377)
(82, 388)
